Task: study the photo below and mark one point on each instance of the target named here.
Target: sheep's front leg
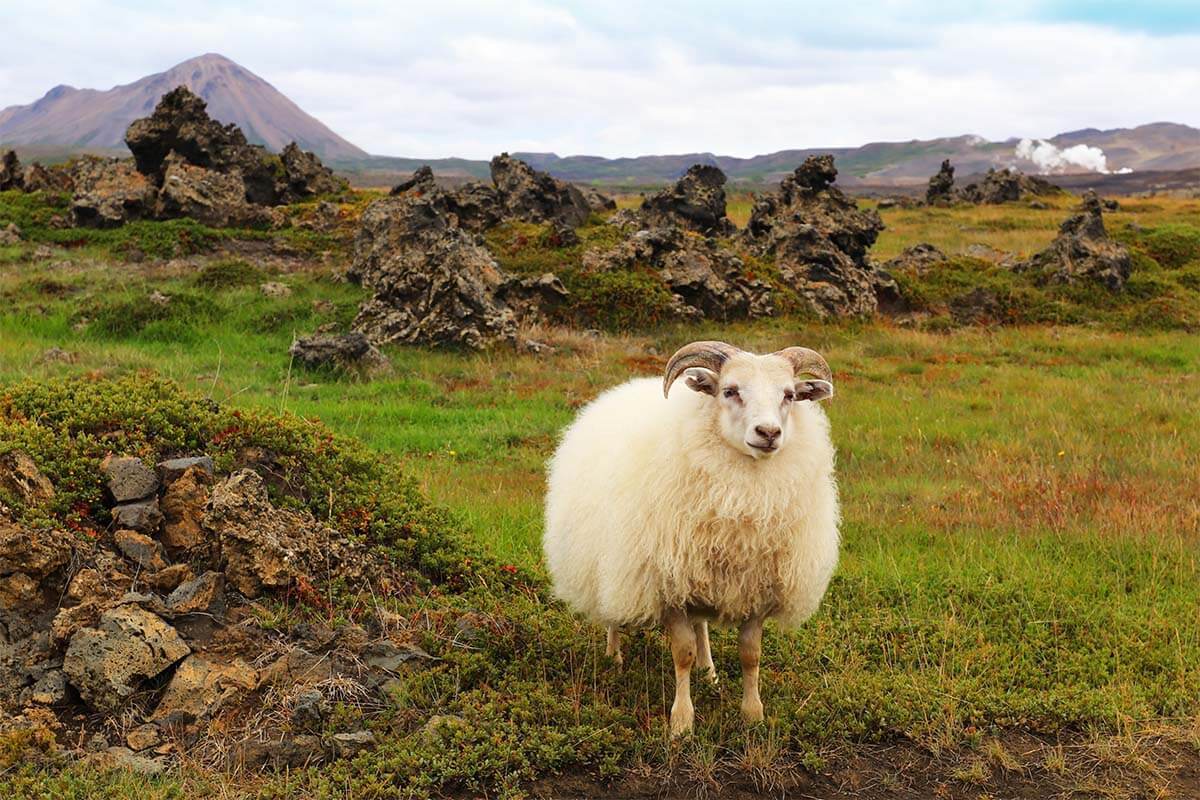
(704, 659)
(750, 652)
(613, 650)
(683, 651)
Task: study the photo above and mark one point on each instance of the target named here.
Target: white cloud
(473, 78)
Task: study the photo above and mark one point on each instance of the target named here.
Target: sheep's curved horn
(806, 362)
(710, 355)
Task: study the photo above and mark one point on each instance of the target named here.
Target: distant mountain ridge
(1157, 146)
(69, 120)
(90, 119)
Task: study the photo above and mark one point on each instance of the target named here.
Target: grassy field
(1017, 602)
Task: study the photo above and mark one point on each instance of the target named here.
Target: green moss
(1171, 245)
(619, 300)
(230, 273)
(976, 288)
(166, 317)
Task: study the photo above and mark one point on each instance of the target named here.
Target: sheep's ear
(701, 380)
(813, 390)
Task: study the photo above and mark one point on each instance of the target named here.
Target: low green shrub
(230, 273)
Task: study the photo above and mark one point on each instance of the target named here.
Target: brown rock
(180, 124)
(141, 549)
(306, 175)
(941, 186)
(36, 552)
(109, 192)
(432, 282)
(182, 507)
(37, 178)
(108, 664)
(143, 737)
(122, 758)
(706, 281)
(350, 351)
(296, 752)
(86, 583)
(21, 479)
(70, 620)
(18, 591)
(262, 547)
(295, 668)
(1006, 186)
(200, 687)
(169, 578)
(213, 198)
(205, 594)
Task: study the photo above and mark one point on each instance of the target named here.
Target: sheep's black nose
(768, 432)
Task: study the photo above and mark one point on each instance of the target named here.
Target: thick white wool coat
(648, 508)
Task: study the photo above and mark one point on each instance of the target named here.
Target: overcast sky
(612, 78)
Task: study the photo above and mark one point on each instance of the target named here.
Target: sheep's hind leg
(613, 650)
(683, 651)
(704, 659)
(750, 652)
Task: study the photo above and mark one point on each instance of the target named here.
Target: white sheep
(718, 504)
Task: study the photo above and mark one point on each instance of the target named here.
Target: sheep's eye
(789, 396)
(731, 391)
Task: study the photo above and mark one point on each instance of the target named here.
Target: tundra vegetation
(1015, 607)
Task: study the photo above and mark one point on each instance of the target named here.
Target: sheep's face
(753, 397)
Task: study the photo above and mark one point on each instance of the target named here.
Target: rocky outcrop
(1006, 186)
(1082, 251)
(180, 124)
(940, 191)
(533, 196)
(118, 632)
(707, 281)
(109, 193)
(432, 282)
(695, 202)
(918, 259)
(597, 200)
(350, 351)
(306, 175)
(819, 240)
(36, 178)
(185, 164)
(10, 171)
(213, 198)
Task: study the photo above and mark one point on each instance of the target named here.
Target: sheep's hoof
(752, 710)
(682, 721)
